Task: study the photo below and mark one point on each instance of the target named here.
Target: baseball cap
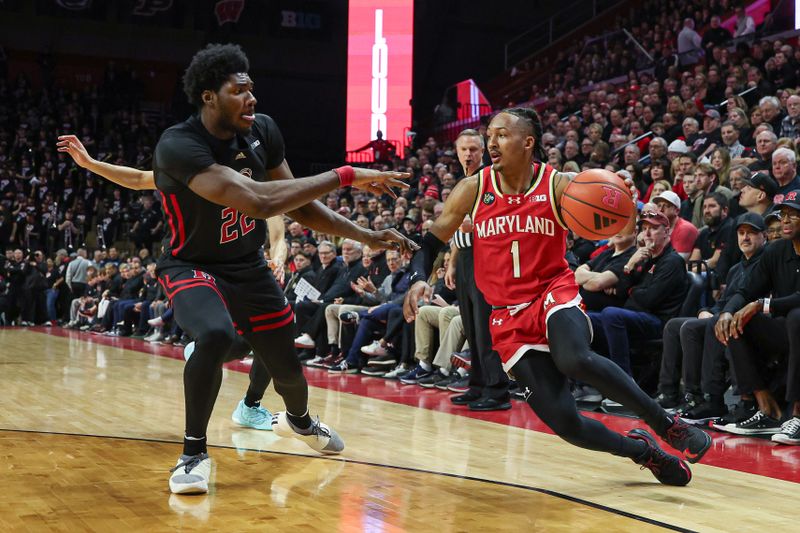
(678, 146)
(751, 219)
(670, 197)
(310, 240)
(791, 199)
(764, 182)
(775, 213)
(432, 191)
(712, 113)
(654, 217)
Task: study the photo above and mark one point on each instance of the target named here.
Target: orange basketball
(597, 204)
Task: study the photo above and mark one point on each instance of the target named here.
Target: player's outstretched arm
(127, 177)
(317, 216)
(458, 205)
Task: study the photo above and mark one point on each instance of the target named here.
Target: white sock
(425, 366)
(462, 371)
(444, 371)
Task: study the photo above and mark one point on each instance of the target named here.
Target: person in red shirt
(682, 233)
(537, 324)
(382, 150)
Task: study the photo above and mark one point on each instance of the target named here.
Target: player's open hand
(418, 291)
(378, 182)
(626, 177)
(74, 147)
(391, 239)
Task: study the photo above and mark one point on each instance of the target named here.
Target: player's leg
(202, 314)
(275, 347)
(569, 336)
(547, 392)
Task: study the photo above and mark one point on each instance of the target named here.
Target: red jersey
(519, 239)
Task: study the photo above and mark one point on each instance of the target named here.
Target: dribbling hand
(378, 182)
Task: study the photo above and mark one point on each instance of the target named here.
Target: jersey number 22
(230, 219)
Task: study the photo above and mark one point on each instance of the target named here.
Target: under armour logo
(514, 200)
(497, 321)
(527, 393)
(549, 300)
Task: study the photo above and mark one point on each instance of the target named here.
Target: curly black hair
(210, 68)
(531, 117)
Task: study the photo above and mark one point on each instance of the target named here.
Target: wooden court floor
(89, 431)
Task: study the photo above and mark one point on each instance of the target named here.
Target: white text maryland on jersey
(508, 224)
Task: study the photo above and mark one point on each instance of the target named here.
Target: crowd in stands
(716, 249)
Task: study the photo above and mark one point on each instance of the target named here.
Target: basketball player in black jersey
(249, 412)
(220, 174)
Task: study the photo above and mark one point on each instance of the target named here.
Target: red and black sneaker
(667, 469)
(691, 440)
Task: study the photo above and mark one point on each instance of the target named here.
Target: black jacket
(659, 285)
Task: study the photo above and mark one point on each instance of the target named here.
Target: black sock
(251, 403)
(194, 446)
(300, 422)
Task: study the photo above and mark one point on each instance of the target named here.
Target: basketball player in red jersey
(537, 324)
(249, 412)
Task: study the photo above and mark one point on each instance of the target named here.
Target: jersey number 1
(515, 258)
(228, 231)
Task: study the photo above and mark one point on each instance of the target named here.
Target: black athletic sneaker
(374, 371)
(705, 412)
(691, 440)
(667, 469)
(758, 424)
(449, 380)
(667, 401)
(743, 410)
(430, 382)
(690, 401)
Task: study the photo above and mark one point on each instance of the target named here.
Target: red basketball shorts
(517, 329)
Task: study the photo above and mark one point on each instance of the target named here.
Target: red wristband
(346, 175)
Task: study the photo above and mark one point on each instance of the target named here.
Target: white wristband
(766, 306)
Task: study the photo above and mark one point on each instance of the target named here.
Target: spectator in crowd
(689, 43)
(705, 182)
(766, 143)
(658, 286)
(745, 24)
(691, 349)
(729, 133)
(760, 325)
(784, 170)
(717, 235)
(683, 233)
(757, 193)
(790, 125)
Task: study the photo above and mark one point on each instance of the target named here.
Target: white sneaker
(374, 350)
(156, 322)
(319, 436)
(191, 474)
(398, 371)
(304, 341)
(153, 336)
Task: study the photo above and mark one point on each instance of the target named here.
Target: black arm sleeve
(422, 262)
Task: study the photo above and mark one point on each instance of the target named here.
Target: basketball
(597, 204)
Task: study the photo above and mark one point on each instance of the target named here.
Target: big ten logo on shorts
(199, 274)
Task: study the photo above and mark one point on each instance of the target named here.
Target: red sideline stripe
(165, 205)
(276, 324)
(181, 229)
(267, 316)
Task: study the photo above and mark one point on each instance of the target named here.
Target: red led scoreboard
(379, 58)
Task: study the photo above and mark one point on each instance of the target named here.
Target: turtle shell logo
(488, 198)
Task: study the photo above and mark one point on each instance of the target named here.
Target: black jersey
(201, 231)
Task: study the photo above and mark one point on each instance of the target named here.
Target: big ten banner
(379, 66)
